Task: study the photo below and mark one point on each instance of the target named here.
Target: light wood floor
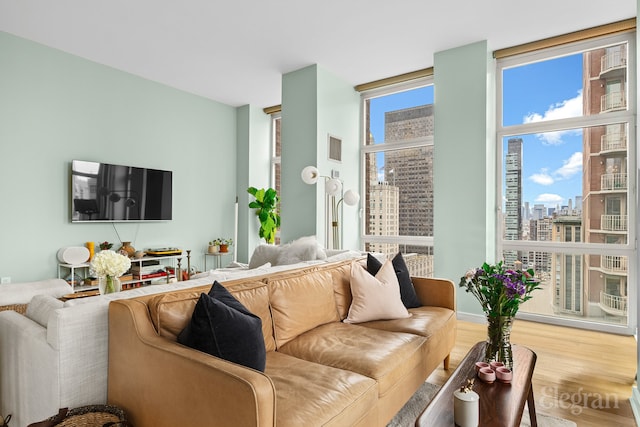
(580, 375)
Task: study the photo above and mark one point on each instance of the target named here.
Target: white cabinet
(75, 274)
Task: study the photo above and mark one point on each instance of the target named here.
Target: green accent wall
(56, 107)
(254, 170)
(464, 164)
(316, 104)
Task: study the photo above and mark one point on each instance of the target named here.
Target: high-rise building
(400, 192)
(513, 188)
(411, 170)
(383, 216)
(605, 182)
(567, 268)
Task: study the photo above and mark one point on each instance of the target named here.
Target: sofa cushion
(300, 302)
(341, 277)
(41, 306)
(223, 327)
(302, 249)
(170, 312)
(407, 291)
(263, 254)
(328, 397)
(385, 356)
(375, 297)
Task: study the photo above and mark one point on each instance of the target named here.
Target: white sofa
(56, 355)
(21, 293)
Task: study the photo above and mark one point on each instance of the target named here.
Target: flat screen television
(115, 193)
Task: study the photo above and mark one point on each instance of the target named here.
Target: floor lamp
(333, 189)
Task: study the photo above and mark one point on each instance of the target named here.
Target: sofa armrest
(159, 382)
(435, 292)
(29, 370)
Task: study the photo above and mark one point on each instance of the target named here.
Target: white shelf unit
(70, 269)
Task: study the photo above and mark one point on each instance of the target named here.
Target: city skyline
(548, 90)
(552, 162)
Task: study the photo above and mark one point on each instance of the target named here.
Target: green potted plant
(223, 243)
(213, 247)
(266, 206)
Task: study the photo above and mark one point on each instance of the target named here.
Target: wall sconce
(333, 189)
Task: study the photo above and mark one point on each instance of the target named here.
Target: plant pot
(213, 249)
(224, 248)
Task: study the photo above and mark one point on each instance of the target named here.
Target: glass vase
(109, 285)
(498, 348)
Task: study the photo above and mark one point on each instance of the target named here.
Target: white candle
(466, 408)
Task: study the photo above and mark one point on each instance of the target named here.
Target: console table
(79, 287)
(501, 405)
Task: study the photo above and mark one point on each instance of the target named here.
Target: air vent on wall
(335, 148)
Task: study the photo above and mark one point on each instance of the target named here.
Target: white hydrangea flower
(110, 263)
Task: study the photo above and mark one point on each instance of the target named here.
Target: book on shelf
(144, 263)
(146, 270)
(150, 275)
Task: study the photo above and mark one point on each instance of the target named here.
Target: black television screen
(106, 192)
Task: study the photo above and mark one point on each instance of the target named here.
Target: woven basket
(87, 416)
(20, 308)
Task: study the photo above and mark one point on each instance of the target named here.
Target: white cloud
(549, 198)
(542, 178)
(561, 110)
(571, 166)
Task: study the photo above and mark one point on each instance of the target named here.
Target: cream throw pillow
(375, 298)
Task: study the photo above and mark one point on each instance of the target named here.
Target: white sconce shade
(310, 175)
(333, 187)
(351, 198)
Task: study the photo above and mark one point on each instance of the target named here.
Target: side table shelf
(217, 258)
(72, 271)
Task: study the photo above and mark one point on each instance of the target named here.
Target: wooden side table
(501, 405)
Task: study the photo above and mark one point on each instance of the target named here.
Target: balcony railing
(613, 264)
(613, 60)
(613, 142)
(613, 304)
(613, 101)
(613, 222)
(613, 181)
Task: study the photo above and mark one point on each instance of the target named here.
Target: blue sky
(552, 162)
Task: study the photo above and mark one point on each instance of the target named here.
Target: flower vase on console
(109, 284)
(108, 266)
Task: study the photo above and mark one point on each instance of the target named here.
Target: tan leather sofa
(319, 370)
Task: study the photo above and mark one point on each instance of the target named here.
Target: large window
(276, 157)
(567, 148)
(397, 160)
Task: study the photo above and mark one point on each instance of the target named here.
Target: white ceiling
(236, 51)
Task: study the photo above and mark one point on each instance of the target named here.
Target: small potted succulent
(213, 247)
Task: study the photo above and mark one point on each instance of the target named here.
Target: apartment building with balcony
(605, 182)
